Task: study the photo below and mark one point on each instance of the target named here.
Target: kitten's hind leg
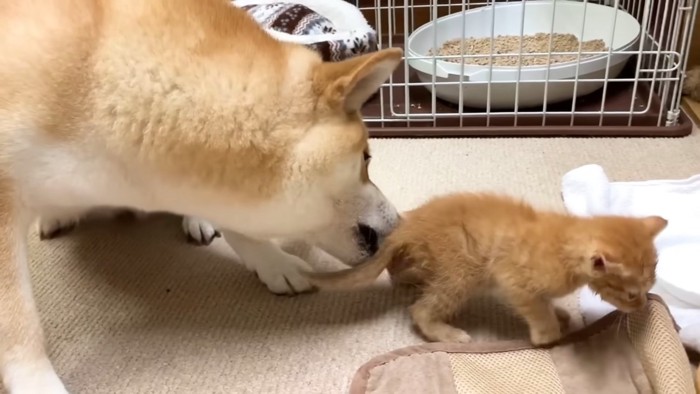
(431, 312)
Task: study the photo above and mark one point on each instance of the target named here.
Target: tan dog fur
(187, 107)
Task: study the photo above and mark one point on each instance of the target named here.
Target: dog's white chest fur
(61, 175)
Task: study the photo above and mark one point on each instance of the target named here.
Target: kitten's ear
(654, 224)
(599, 264)
(349, 83)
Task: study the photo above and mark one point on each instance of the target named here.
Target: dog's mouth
(368, 237)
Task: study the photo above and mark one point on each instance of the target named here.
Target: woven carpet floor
(129, 307)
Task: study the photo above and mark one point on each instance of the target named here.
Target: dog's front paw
(198, 231)
(277, 269)
(283, 277)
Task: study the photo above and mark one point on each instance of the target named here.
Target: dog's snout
(369, 237)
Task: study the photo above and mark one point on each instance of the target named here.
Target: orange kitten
(457, 245)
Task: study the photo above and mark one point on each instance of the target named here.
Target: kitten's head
(622, 259)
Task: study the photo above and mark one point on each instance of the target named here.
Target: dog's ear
(349, 83)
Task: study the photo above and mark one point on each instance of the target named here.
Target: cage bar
(644, 99)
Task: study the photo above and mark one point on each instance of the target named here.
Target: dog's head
(362, 218)
(338, 142)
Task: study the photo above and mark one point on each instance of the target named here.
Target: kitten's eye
(366, 156)
(631, 296)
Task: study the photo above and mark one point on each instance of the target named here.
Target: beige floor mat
(619, 354)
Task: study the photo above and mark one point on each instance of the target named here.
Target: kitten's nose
(369, 237)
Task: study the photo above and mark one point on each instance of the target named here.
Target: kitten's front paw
(198, 231)
(456, 335)
(443, 332)
(540, 337)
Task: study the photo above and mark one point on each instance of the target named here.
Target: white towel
(587, 191)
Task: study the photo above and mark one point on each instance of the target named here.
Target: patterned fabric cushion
(297, 19)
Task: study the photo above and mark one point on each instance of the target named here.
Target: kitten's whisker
(619, 320)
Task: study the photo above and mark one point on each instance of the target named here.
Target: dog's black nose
(369, 237)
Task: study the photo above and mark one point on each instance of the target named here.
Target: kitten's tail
(360, 275)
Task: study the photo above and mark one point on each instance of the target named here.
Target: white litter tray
(568, 18)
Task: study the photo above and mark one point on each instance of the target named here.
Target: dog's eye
(366, 156)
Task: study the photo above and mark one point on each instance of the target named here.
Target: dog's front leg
(276, 268)
(24, 365)
(313, 255)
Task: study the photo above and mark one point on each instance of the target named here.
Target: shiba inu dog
(181, 106)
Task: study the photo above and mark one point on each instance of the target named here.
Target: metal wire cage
(631, 87)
